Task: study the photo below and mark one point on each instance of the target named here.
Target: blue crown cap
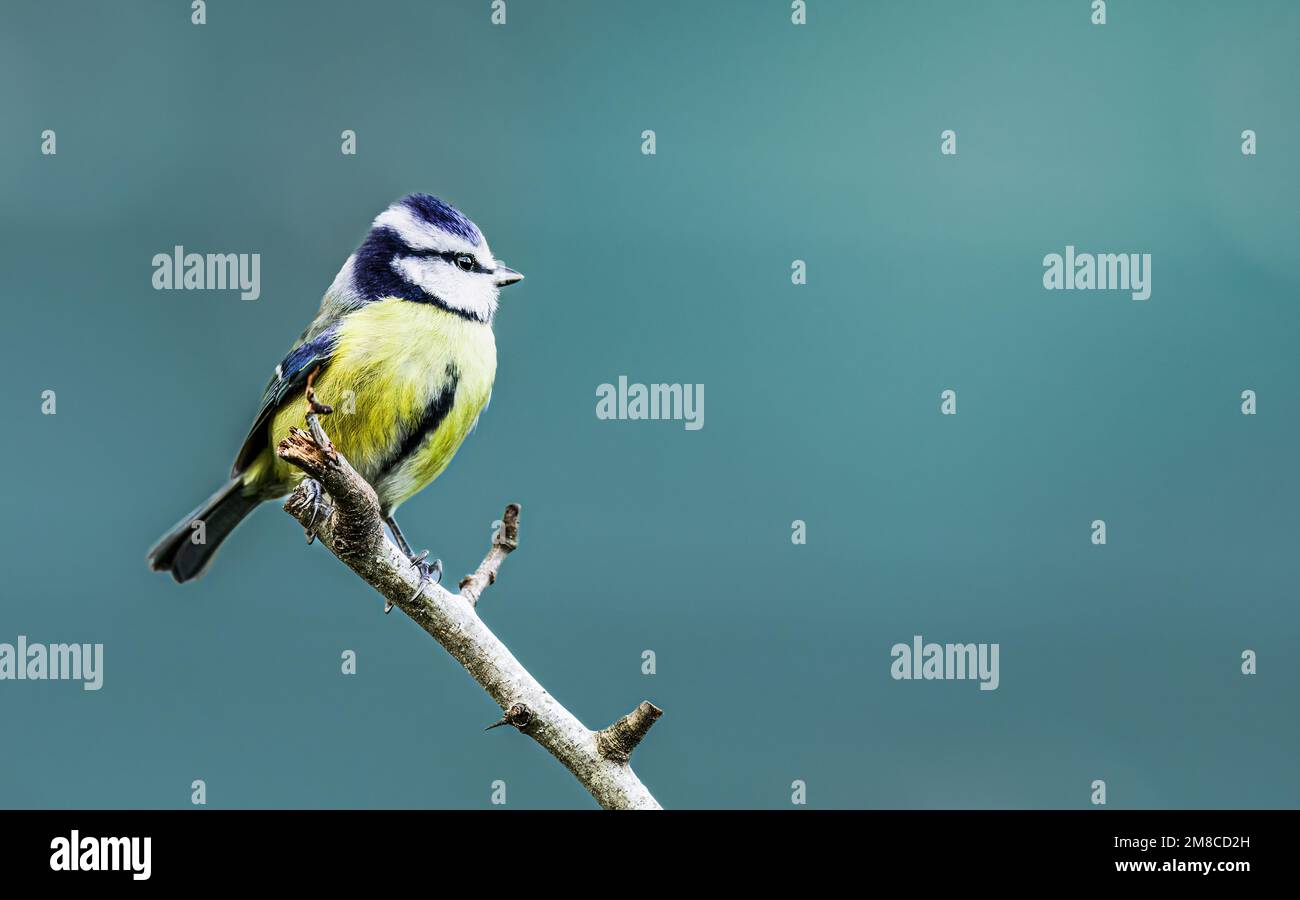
(430, 209)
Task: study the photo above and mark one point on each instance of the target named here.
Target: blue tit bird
(402, 349)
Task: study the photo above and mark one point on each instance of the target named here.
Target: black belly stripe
(433, 416)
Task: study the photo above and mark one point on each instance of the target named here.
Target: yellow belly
(397, 369)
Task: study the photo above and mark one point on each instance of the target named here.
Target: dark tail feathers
(176, 551)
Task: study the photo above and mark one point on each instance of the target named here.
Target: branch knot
(517, 715)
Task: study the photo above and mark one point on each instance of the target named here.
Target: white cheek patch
(470, 292)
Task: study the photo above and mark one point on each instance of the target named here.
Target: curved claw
(435, 571)
(318, 505)
(429, 572)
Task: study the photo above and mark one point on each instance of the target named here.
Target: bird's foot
(429, 573)
(314, 406)
(320, 507)
(317, 408)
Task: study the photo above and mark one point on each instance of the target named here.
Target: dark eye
(464, 262)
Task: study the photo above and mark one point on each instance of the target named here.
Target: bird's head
(426, 251)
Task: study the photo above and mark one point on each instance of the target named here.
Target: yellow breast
(407, 382)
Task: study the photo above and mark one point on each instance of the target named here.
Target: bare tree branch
(351, 528)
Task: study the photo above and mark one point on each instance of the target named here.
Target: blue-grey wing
(290, 376)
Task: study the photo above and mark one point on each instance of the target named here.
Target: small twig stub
(619, 740)
(504, 541)
(508, 536)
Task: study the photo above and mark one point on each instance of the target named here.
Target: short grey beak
(506, 275)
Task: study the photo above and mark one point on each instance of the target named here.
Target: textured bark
(619, 740)
(351, 528)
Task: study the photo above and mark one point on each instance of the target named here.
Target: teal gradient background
(775, 142)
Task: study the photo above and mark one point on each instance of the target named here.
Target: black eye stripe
(449, 256)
